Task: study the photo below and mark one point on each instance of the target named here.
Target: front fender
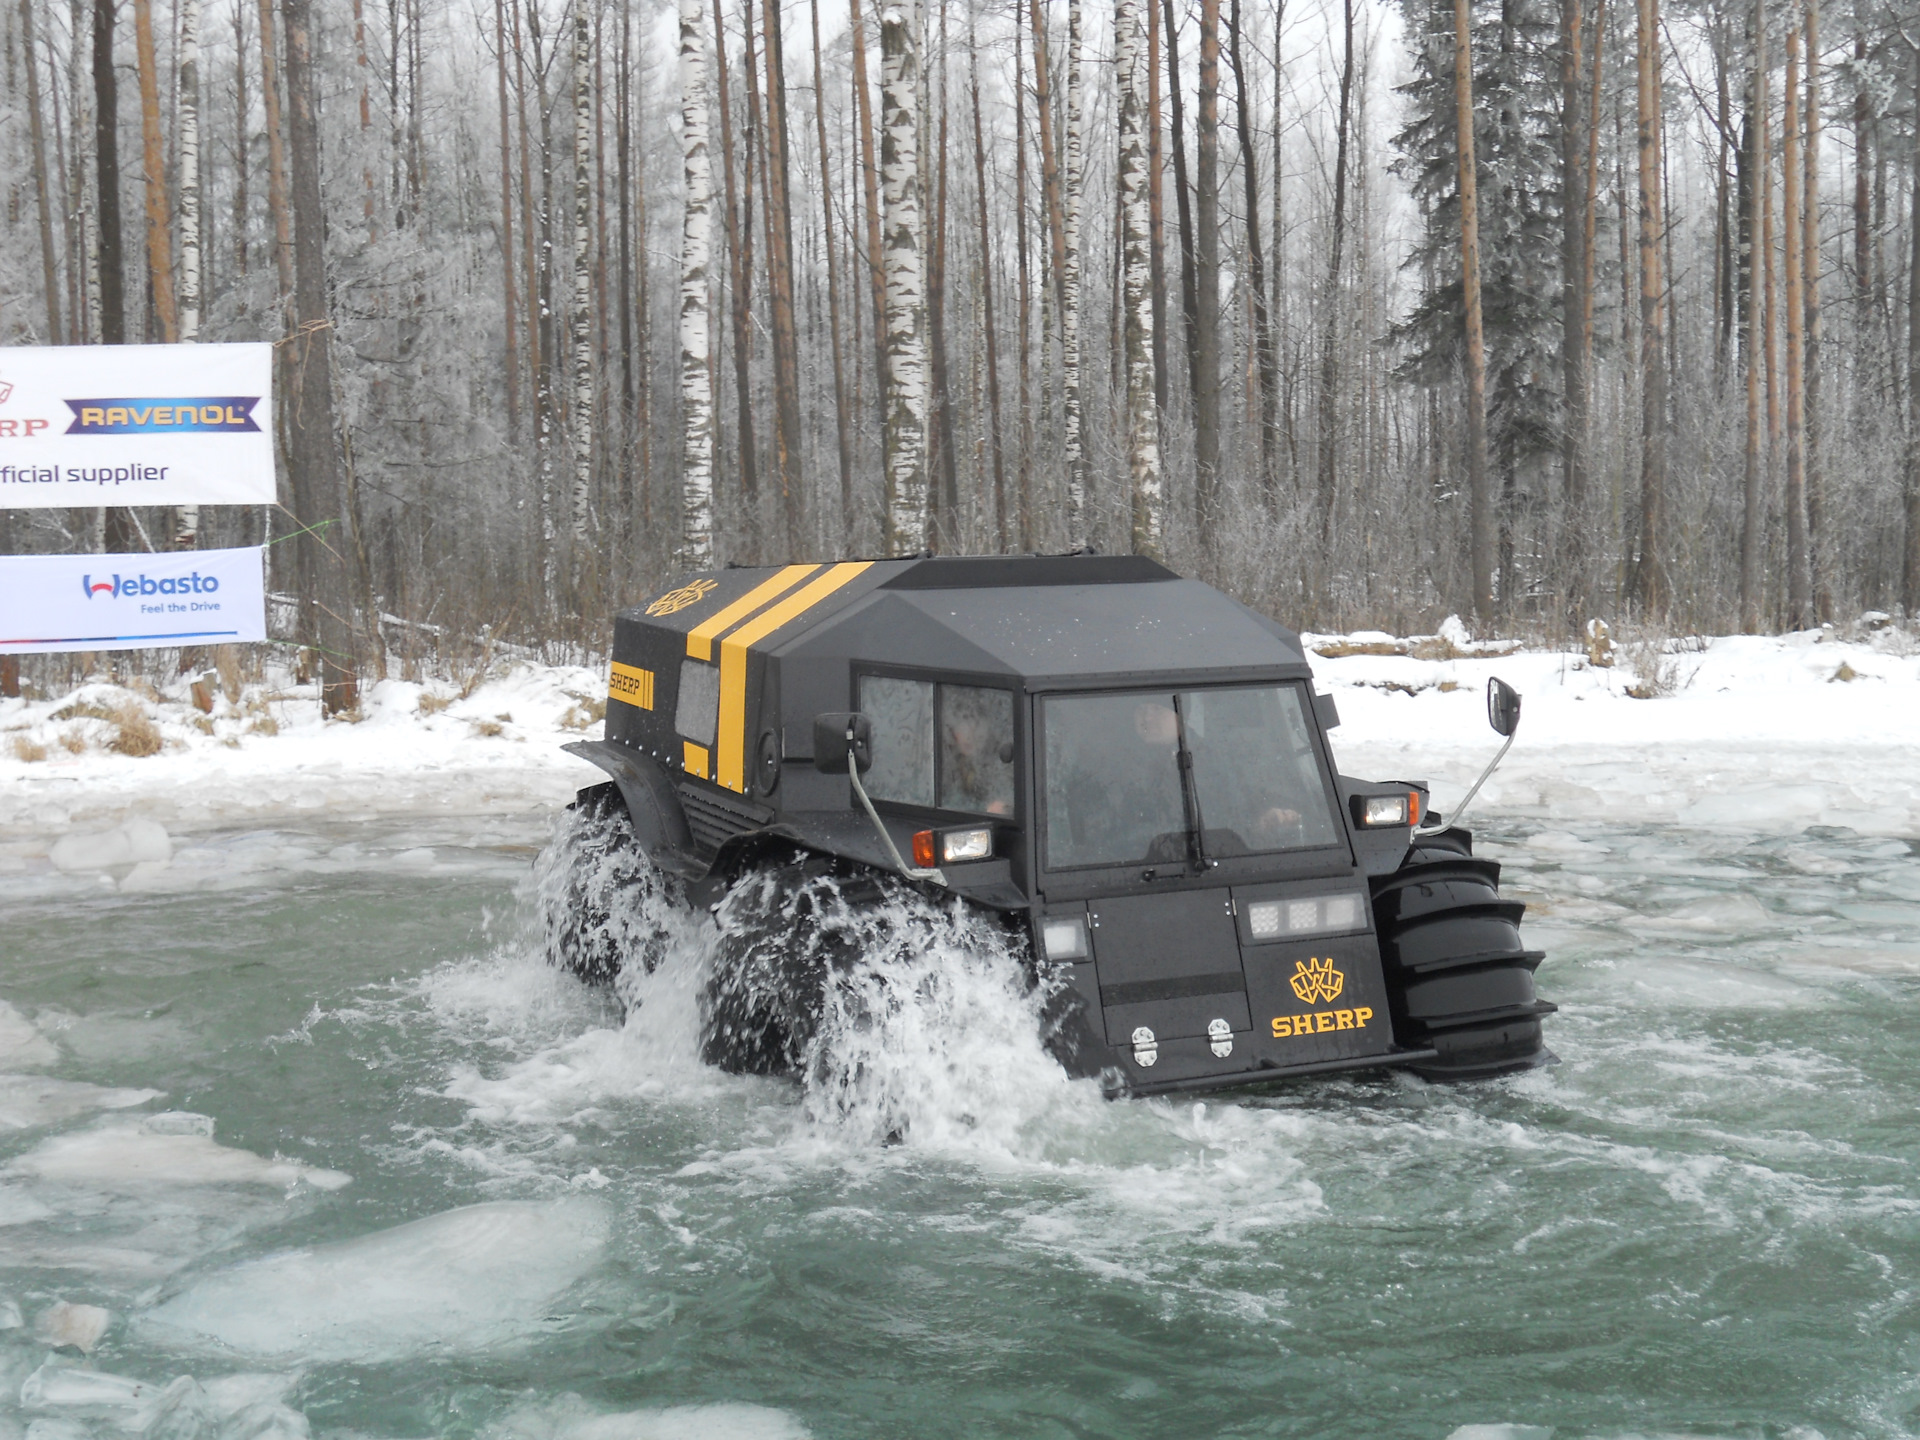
(659, 824)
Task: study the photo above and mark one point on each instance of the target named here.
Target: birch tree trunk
(696, 384)
(870, 188)
(186, 519)
(1075, 453)
(1479, 492)
(584, 128)
(314, 453)
(154, 165)
(1136, 208)
(906, 312)
(1650, 577)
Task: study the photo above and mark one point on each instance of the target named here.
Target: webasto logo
(121, 586)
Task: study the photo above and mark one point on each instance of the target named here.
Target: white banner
(131, 602)
(136, 425)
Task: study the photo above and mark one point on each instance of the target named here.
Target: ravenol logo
(120, 587)
(1316, 980)
(204, 414)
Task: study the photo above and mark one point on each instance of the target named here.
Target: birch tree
(906, 314)
(696, 238)
(1143, 426)
(582, 427)
(1075, 453)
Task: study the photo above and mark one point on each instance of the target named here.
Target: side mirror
(1503, 707)
(838, 735)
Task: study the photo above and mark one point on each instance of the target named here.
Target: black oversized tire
(786, 923)
(599, 918)
(1460, 981)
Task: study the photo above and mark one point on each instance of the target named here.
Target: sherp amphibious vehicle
(1129, 769)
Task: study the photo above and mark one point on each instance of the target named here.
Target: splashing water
(902, 1017)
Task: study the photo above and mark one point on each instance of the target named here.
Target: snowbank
(1758, 732)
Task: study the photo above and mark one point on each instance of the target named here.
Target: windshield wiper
(1190, 796)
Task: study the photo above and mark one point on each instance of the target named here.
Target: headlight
(966, 845)
(1309, 915)
(1379, 810)
(951, 846)
(1064, 939)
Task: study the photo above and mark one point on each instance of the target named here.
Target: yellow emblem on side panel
(1315, 980)
(631, 685)
(675, 601)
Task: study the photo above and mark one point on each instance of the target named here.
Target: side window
(976, 749)
(902, 715)
(696, 713)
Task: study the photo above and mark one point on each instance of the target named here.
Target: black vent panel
(715, 816)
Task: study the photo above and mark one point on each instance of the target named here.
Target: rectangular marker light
(1314, 915)
(1065, 939)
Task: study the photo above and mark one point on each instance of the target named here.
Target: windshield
(1113, 783)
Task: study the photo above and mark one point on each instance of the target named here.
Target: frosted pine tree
(696, 238)
(906, 378)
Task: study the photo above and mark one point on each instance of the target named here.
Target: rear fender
(659, 824)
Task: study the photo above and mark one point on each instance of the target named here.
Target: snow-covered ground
(1764, 733)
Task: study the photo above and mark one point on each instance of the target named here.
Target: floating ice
(136, 842)
(459, 1281)
(29, 1100)
(164, 1149)
(66, 1323)
(569, 1419)
(1502, 1432)
(21, 1045)
(62, 1389)
(266, 1420)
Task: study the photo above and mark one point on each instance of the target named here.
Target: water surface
(1704, 1221)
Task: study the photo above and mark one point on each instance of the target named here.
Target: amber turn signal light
(923, 849)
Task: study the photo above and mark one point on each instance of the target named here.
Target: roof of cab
(1058, 617)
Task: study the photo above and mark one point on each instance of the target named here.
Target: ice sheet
(134, 1155)
(570, 1419)
(30, 1100)
(455, 1282)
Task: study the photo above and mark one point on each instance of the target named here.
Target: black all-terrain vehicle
(1130, 770)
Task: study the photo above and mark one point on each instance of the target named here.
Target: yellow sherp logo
(677, 600)
(1316, 980)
